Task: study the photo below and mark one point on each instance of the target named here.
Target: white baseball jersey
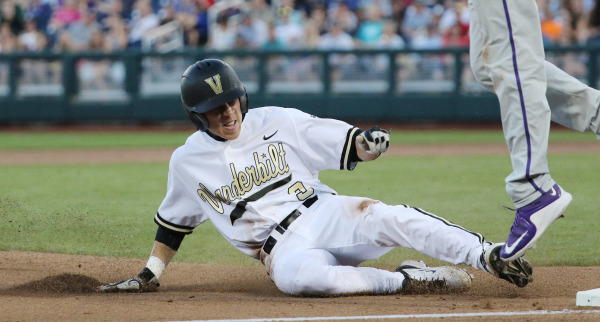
(248, 185)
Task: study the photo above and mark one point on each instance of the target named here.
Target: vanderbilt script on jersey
(243, 181)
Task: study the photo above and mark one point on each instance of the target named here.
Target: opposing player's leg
(573, 103)
(509, 48)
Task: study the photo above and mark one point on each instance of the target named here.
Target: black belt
(285, 223)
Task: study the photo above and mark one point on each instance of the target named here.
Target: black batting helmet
(208, 84)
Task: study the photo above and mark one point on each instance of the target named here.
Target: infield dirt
(58, 287)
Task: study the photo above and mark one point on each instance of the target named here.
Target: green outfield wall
(133, 87)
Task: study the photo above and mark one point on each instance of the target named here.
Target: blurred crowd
(222, 25)
(111, 25)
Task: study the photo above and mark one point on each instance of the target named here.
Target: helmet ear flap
(244, 102)
(200, 121)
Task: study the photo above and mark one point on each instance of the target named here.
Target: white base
(588, 298)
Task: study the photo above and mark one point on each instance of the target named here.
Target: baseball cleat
(518, 271)
(421, 279)
(532, 220)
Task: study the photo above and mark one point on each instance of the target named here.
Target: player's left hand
(374, 141)
(141, 283)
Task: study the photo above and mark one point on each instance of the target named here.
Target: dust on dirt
(64, 283)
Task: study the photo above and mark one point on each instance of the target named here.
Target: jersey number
(297, 188)
(300, 191)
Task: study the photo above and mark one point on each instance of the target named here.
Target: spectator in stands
(116, 40)
(272, 43)
(398, 13)
(573, 63)
(551, 28)
(338, 39)
(41, 12)
(143, 20)
(253, 31)
(63, 42)
(288, 31)
(594, 24)
(305, 67)
(576, 12)
(116, 34)
(312, 35)
(222, 35)
(261, 10)
(318, 18)
(81, 30)
(389, 39)
(455, 37)
(288, 8)
(31, 39)
(65, 15)
(429, 66)
(426, 38)
(456, 12)
(93, 72)
(11, 14)
(167, 14)
(418, 17)
(578, 21)
(449, 15)
(185, 7)
(195, 24)
(112, 11)
(346, 18)
(8, 41)
(370, 30)
(128, 8)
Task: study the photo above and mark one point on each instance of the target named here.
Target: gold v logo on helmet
(215, 83)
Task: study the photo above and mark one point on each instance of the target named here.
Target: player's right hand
(374, 141)
(136, 284)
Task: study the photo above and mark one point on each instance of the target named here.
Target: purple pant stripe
(523, 111)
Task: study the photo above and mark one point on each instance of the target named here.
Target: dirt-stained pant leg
(506, 46)
(320, 252)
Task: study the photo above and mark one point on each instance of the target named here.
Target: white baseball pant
(319, 252)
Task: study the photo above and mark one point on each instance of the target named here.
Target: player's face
(225, 120)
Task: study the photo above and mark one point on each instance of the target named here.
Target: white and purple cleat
(532, 220)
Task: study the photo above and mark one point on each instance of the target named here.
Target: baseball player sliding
(254, 174)
(507, 57)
